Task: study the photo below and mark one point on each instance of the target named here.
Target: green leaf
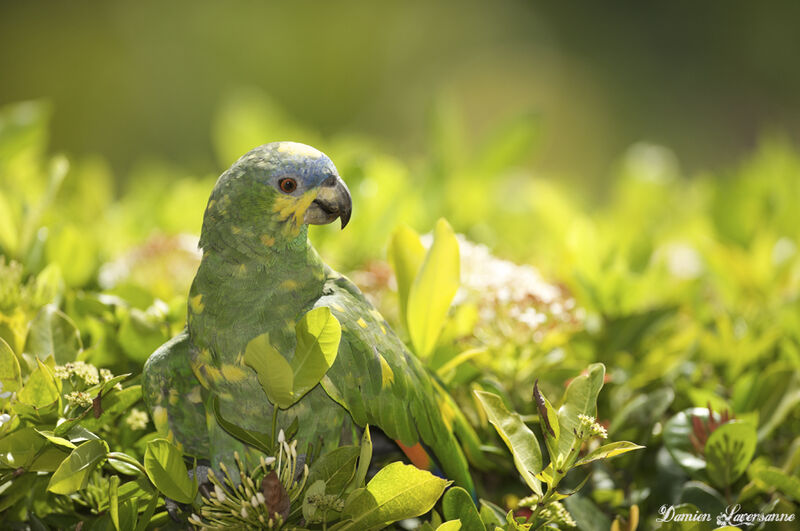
(256, 439)
(729, 450)
(433, 290)
(54, 334)
(770, 477)
(518, 437)
(113, 501)
(318, 336)
(274, 372)
(42, 390)
(10, 374)
(608, 451)
(396, 492)
(676, 439)
(364, 457)
(580, 399)
(406, 253)
(18, 449)
(166, 469)
(457, 505)
(586, 514)
(452, 525)
(335, 469)
(74, 472)
(548, 418)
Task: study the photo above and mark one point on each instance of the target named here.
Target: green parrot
(259, 274)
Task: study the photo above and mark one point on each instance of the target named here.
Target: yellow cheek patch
(293, 209)
(196, 303)
(233, 373)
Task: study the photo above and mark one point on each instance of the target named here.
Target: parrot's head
(272, 191)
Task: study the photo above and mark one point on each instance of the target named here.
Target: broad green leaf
(166, 469)
(406, 253)
(433, 290)
(335, 469)
(608, 451)
(273, 371)
(586, 514)
(10, 374)
(580, 399)
(318, 336)
(259, 440)
(397, 491)
(457, 505)
(18, 449)
(144, 518)
(770, 477)
(518, 437)
(54, 334)
(729, 450)
(59, 441)
(703, 496)
(676, 439)
(452, 525)
(74, 472)
(41, 390)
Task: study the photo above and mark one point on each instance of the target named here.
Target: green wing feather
(175, 397)
(381, 383)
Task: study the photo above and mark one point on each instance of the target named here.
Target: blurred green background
(139, 80)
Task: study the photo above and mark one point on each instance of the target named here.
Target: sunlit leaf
(580, 399)
(166, 469)
(608, 451)
(396, 492)
(318, 335)
(433, 290)
(406, 254)
(729, 450)
(273, 371)
(518, 437)
(73, 473)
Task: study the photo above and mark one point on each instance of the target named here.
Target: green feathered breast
(259, 274)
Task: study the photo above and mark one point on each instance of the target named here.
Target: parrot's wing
(381, 383)
(174, 396)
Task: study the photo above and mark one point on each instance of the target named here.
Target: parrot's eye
(287, 185)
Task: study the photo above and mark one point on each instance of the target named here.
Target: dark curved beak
(333, 201)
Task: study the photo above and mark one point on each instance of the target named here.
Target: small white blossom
(137, 419)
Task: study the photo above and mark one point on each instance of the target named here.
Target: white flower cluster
(79, 398)
(590, 428)
(137, 419)
(503, 289)
(85, 371)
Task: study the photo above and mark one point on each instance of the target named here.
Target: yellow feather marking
(289, 284)
(337, 308)
(194, 396)
(447, 413)
(235, 229)
(233, 373)
(383, 329)
(213, 374)
(173, 396)
(242, 269)
(387, 375)
(196, 303)
(211, 203)
(160, 418)
(361, 322)
(300, 150)
(267, 240)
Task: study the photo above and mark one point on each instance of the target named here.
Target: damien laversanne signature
(732, 515)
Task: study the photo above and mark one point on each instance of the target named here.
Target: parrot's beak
(333, 201)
